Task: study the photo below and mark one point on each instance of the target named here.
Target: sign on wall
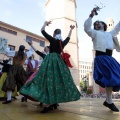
(3, 44)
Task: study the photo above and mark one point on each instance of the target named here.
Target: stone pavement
(84, 109)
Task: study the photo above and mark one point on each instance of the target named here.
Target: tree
(83, 86)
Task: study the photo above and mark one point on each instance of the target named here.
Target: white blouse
(10, 53)
(33, 62)
(102, 40)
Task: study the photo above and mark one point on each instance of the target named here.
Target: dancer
(53, 83)
(16, 74)
(106, 68)
(42, 54)
(32, 65)
(6, 65)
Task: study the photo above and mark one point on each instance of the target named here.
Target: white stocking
(109, 95)
(9, 94)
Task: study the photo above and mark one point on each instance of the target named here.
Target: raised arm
(41, 54)
(116, 30)
(88, 24)
(70, 32)
(31, 44)
(46, 35)
(65, 42)
(38, 52)
(45, 24)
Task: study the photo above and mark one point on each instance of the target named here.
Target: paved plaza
(84, 109)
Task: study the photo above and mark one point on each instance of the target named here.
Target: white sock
(109, 95)
(9, 94)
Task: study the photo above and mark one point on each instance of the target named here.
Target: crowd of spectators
(115, 95)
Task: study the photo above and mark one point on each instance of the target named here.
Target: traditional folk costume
(53, 82)
(40, 61)
(5, 70)
(16, 76)
(35, 73)
(32, 66)
(106, 68)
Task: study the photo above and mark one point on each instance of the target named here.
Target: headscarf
(58, 37)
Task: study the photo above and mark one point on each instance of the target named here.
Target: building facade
(13, 37)
(85, 67)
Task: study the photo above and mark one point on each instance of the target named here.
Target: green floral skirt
(53, 82)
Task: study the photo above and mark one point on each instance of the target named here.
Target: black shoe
(105, 104)
(7, 102)
(23, 99)
(40, 105)
(113, 107)
(47, 109)
(55, 106)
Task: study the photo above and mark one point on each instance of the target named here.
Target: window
(12, 48)
(14, 33)
(8, 30)
(42, 43)
(31, 38)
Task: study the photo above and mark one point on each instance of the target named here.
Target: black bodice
(55, 44)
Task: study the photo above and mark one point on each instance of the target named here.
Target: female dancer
(6, 65)
(53, 83)
(46, 52)
(16, 74)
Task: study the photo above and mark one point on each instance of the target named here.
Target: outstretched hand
(30, 42)
(93, 12)
(48, 22)
(72, 27)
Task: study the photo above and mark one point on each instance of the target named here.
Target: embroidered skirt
(107, 72)
(53, 82)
